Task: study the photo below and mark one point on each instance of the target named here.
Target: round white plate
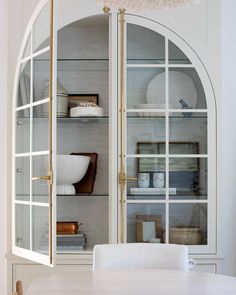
(181, 87)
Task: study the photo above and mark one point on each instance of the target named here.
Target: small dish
(86, 112)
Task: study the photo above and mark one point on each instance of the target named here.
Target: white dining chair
(140, 256)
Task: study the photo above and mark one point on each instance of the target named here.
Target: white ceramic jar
(143, 180)
(158, 179)
(62, 100)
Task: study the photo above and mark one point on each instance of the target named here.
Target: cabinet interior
(83, 69)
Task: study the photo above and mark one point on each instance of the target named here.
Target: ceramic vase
(158, 180)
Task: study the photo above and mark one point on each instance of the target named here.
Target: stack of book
(73, 242)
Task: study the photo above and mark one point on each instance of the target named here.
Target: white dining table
(134, 282)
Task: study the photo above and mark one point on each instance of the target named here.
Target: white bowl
(70, 169)
(86, 112)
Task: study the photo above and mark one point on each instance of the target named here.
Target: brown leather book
(67, 227)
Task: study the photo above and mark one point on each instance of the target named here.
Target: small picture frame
(185, 173)
(75, 99)
(176, 164)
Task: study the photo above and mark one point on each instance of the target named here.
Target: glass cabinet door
(33, 217)
(165, 143)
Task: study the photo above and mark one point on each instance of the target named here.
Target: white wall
(228, 135)
(3, 143)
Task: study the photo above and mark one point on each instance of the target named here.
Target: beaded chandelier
(145, 4)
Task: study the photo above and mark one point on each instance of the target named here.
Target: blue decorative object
(185, 106)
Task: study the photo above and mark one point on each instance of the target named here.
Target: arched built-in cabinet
(152, 149)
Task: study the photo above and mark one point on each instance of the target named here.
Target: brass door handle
(123, 178)
(131, 178)
(47, 178)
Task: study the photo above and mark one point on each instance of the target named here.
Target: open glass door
(33, 205)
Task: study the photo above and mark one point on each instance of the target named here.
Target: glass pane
(23, 97)
(146, 88)
(151, 180)
(144, 46)
(40, 127)
(185, 89)
(93, 215)
(27, 50)
(22, 226)
(23, 178)
(176, 55)
(143, 133)
(188, 133)
(40, 187)
(41, 76)
(88, 137)
(41, 29)
(145, 223)
(189, 177)
(188, 224)
(22, 131)
(40, 229)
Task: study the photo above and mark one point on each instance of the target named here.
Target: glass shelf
(85, 195)
(107, 59)
(83, 119)
(135, 117)
(102, 64)
(82, 59)
(163, 117)
(180, 197)
(69, 251)
(157, 61)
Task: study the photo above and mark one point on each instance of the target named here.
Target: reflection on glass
(188, 224)
(27, 50)
(41, 76)
(40, 229)
(145, 223)
(40, 127)
(23, 96)
(145, 136)
(41, 29)
(148, 49)
(143, 89)
(189, 177)
(22, 224)
(151, 180)
(176, 55)
(22, 131)
(23, 178)
(185, 89)
(40, 187)
(188, 133)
